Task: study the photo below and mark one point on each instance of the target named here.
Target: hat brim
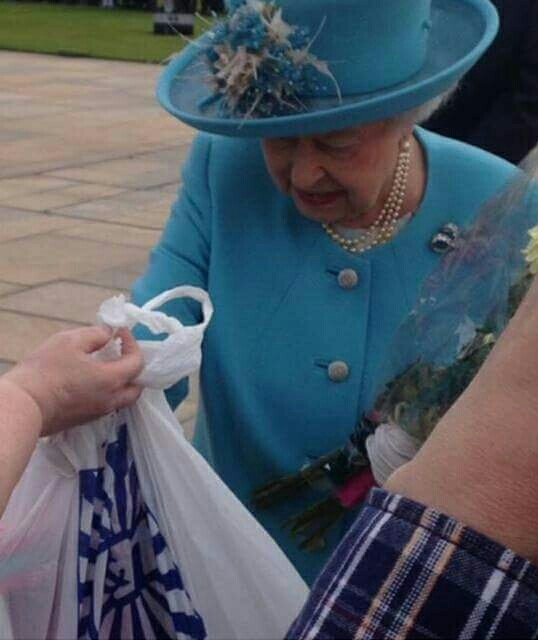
(460, 33)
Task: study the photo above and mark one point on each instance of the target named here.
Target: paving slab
(15, 108)
(21, 333)
(148, 208)
(7, 288)
(80, 110)
(16, 187)
(121, 277)
(16, 223)
(15, 134)
(62, 300)
(104, 232)
(19, 157)
(42, 258)
(89, 169)
(138, 172)
(62, 197)
(65, 93)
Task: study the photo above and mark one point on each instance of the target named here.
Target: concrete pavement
(89, 166)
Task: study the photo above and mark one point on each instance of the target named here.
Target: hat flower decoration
(277, 68)
(261, 65)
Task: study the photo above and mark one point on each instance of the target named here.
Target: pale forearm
(479, 467)
(58, 386)
(20, 427)
(480, 463)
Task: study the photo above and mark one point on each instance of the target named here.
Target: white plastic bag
(120, 529)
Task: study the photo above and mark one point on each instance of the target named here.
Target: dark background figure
(212, 6)
(496, 105)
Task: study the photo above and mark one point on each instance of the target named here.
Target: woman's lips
(317, 199)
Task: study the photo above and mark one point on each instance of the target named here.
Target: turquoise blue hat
(304, 67)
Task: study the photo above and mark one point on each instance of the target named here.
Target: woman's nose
(307, 169)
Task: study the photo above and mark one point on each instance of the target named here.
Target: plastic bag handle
(184, 291)
(116, 312)
(169, 360)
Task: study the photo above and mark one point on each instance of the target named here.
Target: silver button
(338, 371)
(348, 278)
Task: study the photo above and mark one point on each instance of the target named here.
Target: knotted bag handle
(169, 360)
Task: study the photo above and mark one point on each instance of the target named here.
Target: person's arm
(448, 547)
(479, 464)
(20, 428)
(59, 386)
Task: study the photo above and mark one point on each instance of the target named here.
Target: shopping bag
(120, 529)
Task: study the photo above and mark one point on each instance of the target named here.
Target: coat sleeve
(509, 127)
(407, 571)
(183, 252)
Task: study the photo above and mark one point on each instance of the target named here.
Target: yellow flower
(531, 251)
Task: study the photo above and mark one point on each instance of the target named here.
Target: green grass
(120, 34)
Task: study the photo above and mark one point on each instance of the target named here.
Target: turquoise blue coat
(268, 404)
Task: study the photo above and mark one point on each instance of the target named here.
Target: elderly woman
(312, 208)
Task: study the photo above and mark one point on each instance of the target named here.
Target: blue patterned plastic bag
(120, 529)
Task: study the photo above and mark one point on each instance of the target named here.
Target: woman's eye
(335, 149)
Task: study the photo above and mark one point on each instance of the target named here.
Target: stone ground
(89, 166)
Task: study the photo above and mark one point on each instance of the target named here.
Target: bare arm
(20, 427)
(480, 463)
(59, 386)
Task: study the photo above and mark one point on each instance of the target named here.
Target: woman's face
(338, 177)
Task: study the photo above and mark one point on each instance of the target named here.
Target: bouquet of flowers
(438, 349)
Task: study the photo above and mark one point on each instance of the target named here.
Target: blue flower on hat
(247, 29)
(233, 5)
(261, 65)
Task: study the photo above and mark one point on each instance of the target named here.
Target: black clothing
(496, 104)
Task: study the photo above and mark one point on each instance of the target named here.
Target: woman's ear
(403, 124)
(407, 124)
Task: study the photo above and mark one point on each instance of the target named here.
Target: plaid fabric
(406, 571)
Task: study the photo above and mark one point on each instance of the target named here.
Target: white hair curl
(423, 112)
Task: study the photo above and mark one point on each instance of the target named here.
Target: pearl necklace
(383, 227)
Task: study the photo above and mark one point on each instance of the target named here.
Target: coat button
(348, 278)
(338, 371)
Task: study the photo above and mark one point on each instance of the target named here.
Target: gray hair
(420, 114)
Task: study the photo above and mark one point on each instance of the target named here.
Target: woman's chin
(335, 212)
(332, 216)
(330, 212)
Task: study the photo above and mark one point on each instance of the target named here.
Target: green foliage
(77, 30)
(312, 526)
(417, 398)
(292, 485)
(518, 292)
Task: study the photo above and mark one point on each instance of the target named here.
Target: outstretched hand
(70, 386)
